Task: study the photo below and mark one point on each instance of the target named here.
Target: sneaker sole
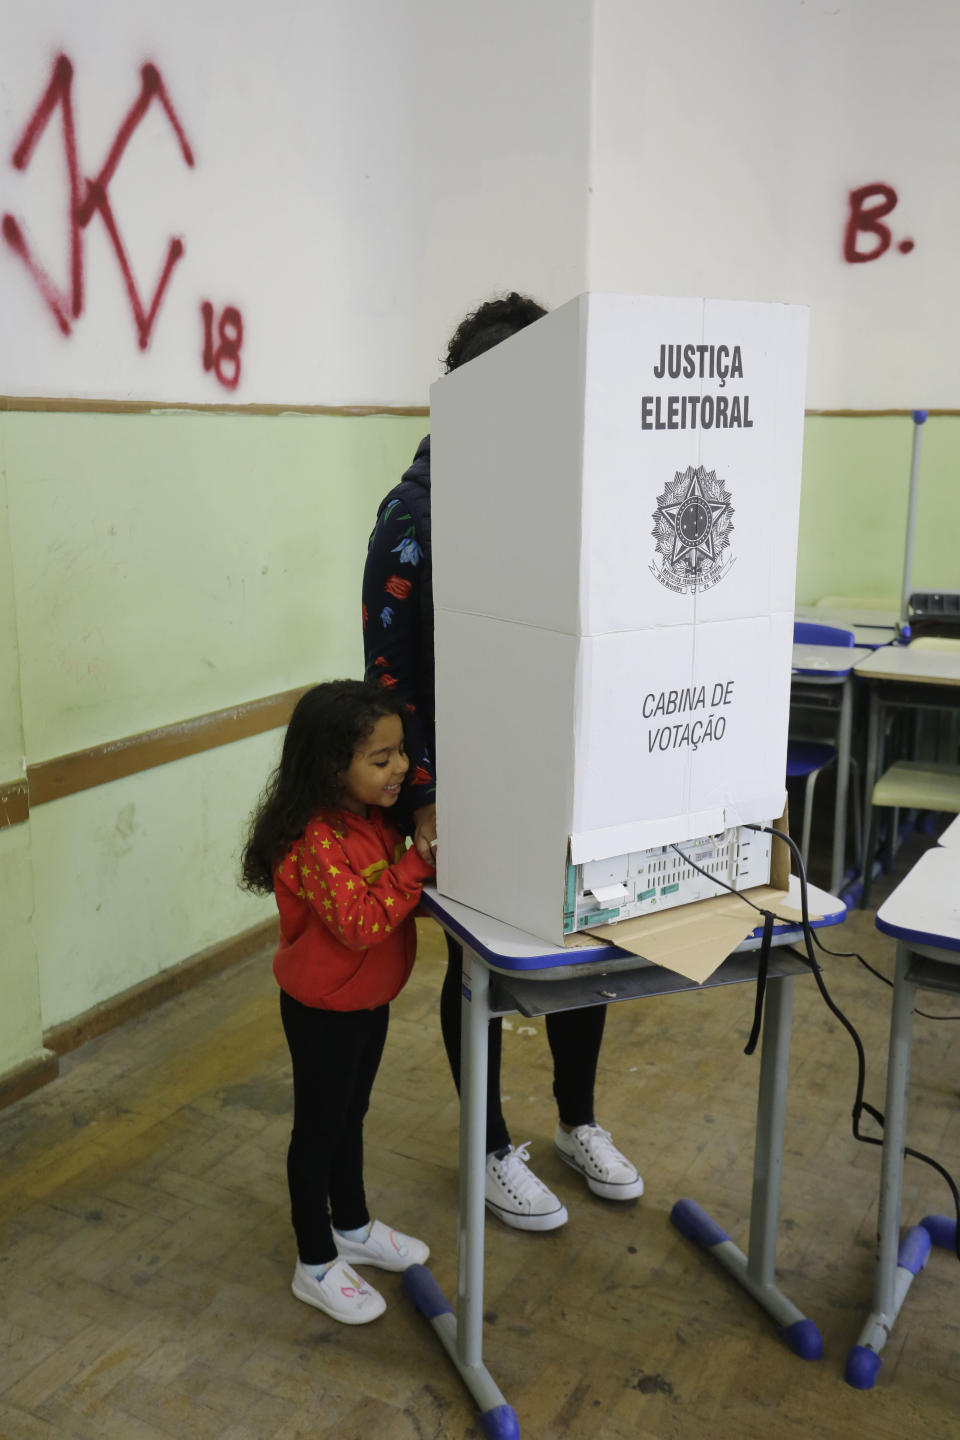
(629, 1190)
(336, 1314)
(553, 1221)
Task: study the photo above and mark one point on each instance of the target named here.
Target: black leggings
(574, 1037)
(336, 1055)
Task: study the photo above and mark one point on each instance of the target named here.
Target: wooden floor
(146, 1253)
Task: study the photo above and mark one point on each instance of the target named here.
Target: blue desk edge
(553, 959)
(919, 937)
(800, 672)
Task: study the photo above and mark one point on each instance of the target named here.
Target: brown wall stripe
(26, 1078)
(57, 406)
(14, 803)
(873, 414)
(83, 769)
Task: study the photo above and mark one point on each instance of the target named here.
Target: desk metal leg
(473, 1129)
(843, 785)
(462, 1336)
(874, 743)
(756, 1273)
(898, 1260)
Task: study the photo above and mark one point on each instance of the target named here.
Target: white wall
(364, 172)
(727, 139)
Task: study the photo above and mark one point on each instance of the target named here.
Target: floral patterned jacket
(397, 615)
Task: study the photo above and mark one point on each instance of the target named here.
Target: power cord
(852, 955)
(860, 1105)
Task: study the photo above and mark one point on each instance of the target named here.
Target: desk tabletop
(869, 636)
(925, 907)
(951, 836)
(872, 637)
(920, 664)
(505, 948)
(825, 661)
(848, 617)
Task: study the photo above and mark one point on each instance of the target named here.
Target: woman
(398, 646)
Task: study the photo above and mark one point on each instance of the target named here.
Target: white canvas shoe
(515, 1194)
(590, 1150)
(385, 1248)
(340, 1293)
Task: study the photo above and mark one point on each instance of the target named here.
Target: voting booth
(615, 500)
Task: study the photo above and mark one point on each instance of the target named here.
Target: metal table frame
(896, 695)
(902, 677)
(811, 691)
(589, 977)
(922, 964)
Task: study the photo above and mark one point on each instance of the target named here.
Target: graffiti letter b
(864, 217)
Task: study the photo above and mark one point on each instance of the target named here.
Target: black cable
(860, 1105)
(768, 919)
(852, 955)
(810, 959)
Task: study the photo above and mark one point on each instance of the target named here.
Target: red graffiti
(865, 219)
(223, 359)
(91, 197)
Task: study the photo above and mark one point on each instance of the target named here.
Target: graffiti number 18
(223, 357)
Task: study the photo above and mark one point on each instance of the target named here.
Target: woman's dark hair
(325, 728)
(494, 321)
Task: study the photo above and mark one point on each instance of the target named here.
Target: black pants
(574, 1037)
(336, 1055)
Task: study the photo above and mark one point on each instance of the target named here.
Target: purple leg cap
(696, 1225)
(863, 1366)
(942, 1231)
(804, 1340)
(425, 1293)
(500, 1423)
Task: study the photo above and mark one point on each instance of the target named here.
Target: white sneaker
(590, 1150)
(517, 1196)
(340, 1293)
(385, 1248)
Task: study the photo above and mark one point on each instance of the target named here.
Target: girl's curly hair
(494, 321)
(325, 728)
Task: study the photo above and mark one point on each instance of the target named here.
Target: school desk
(869, 633)
(823, 681)
(923, 916)
(951, 836)
(505, 970)
(924, 675)
(850, 617)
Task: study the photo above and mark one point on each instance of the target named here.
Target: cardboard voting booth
(615, 495)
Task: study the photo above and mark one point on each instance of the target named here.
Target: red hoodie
(346, 892)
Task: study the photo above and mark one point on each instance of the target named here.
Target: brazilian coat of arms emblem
(692, 525)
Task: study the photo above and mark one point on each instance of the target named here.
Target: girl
(346, 889)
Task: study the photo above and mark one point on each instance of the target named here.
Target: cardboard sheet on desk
(694, 940)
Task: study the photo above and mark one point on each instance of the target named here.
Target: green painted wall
(169, 565)
(141, 873)
(20, 1025)
(155, 567)
(856, 475)
(11, 733)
